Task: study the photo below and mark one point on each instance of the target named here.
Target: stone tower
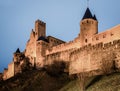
(88, 27)
(41, 46)
(41, 43)
(40, 29)
(17, 55)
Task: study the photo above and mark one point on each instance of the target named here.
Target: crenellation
(40, 22)
(85, 53)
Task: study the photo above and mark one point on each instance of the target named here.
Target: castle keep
(85, 53)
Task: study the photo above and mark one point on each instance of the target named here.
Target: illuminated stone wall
(91, 57)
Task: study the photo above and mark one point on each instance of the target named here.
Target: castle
(85, 53)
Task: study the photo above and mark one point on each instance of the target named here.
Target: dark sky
(62, 17)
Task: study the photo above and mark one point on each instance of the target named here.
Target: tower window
(111, 34)
(92, 22)
(85, 40)
(97, 38)
(104, 36)
(84, 28)
(87, 21)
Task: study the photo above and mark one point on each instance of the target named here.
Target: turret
(40, 29)
(41, 42)
(17, 55)
(88, 27)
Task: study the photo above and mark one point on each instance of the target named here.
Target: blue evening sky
(62, 17)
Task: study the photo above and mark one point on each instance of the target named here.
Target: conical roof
(87, 14)
(94, 17)
(18, 50)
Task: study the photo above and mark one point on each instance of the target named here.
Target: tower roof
(94, 17)
(87, 14)
(18, 50)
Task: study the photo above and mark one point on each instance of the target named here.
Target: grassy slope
(101, 83)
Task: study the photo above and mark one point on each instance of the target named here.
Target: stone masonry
(84, 54)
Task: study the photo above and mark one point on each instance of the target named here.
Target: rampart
(91, 57)
(104, 37)
(107, 36)
(63, 47)
(8, 72)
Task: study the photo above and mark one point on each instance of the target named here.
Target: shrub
(56, 68)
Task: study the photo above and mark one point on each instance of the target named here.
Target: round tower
(88, 27)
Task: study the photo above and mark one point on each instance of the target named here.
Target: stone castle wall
(30, 50)
(105, 37)
(58, 56)
(5, 73)
(8, 73)
(63, 47)
(87, 52)
(54, 41)
(84, 56)
(91, 57)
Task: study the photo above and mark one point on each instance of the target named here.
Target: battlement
(40, 22)
(61, 47)
(107, 36)
(85, 51)
(87, 21)
(98, 46)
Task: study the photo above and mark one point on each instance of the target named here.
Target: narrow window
(85, 40)
(97, 38)
(87, 21)
(111, 34)
(104, 36)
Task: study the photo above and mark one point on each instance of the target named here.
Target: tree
(108, 64)
(26, 65)
(82, 77)
(56, 68)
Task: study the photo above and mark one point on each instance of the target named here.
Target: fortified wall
(91, 57)
(87, 52)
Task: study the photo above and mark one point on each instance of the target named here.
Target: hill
(40, 80)
(98, 83)
(34, 80)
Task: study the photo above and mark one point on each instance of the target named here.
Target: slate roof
(18, 50)
(43, 39)
(94, 17)
(88, 14)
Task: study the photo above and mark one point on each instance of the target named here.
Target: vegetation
(56, 69)
(54, 78)
(108, 64)
(82, 77)
(109, 82)
(34, 80)
(26, 64)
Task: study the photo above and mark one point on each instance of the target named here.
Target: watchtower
(88, 27)
(40, 29)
